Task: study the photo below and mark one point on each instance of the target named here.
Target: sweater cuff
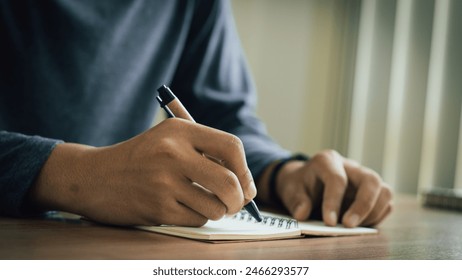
(21, 159)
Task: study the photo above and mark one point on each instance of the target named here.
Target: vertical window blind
(406, 113)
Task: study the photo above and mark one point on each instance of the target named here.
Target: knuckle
(352, 162)
(167, 148)
(235, 142)
(165, 185)
(386, 193)
(173, 122)
(170, 124)
(322, 157)
(373, 178)
(326, 156)
(329, 153)
(165, 143)
(230, 181)
(339, 180)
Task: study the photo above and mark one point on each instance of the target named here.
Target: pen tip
(252, 208)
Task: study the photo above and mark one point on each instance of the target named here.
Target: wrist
(59, 183)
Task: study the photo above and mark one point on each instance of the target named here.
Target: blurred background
(378, 80)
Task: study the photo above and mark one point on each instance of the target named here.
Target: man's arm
(157, 177)
(94, 181)
(21, 159)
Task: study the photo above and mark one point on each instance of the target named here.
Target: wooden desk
(411, 232)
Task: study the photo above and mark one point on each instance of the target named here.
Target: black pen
(174, 108)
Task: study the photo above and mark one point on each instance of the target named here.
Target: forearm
(21, 159)
(59, 185)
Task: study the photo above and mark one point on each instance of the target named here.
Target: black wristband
(272, 181)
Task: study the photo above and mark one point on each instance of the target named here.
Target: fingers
(218, 181)
(298, 202)
(329, 168)
(228, 150)
(215, 160)
(381, 209)
(372, 201)
(182, 202)
(302, 207)
(186, 217)
(148, 179)
(344, 181)
(203, 201)
(291, 190)
(178, 214)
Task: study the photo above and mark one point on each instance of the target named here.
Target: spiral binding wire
(267, 220)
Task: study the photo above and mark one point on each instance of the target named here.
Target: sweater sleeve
(21, 158)
(214, 83)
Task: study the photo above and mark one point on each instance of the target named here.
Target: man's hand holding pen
(148, 180)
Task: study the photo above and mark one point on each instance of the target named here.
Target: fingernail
(353, 220)
(333, 217)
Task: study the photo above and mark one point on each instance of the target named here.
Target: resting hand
(341, 189)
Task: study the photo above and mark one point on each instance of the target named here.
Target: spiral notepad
(267, 220)
(242, 227)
